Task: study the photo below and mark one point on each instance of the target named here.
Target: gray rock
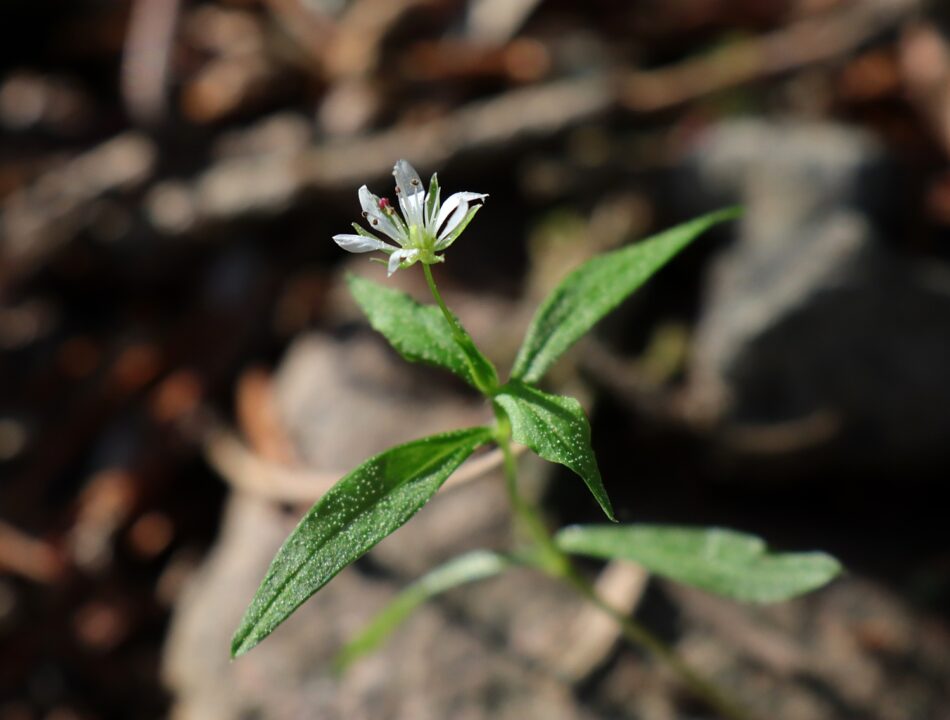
(809, 314)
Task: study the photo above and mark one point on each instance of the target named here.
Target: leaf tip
(732, 212)
(608, 509)
(242, 643)
(342, 661)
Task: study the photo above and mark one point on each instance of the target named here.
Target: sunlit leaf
(596, 288)
(556, 428)
(420, 333)
(720, 561)
(360, 510)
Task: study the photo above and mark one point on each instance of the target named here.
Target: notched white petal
(368, 201)
(377, 218)
(399, 257)
(451, 206)
(407, 179)
(361, 243)
(413, 208)
(461, 209)
(411, 192)
(450, 237)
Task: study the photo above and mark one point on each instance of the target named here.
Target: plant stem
(457, 332)
(551, 559)
(558, 564)
(483, 373)
(637, 634)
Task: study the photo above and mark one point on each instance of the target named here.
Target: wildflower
(424, 227)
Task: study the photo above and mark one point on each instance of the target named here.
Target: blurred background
(182, 372)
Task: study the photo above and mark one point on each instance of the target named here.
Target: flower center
(424, 242)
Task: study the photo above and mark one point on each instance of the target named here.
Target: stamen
(415, 182)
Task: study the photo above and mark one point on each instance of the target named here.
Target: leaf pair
(554, 427)
(420, 333)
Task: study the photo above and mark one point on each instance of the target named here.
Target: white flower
(423, 228)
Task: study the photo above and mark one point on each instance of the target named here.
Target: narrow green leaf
(719, 561)
(467, 568)
(596, 288)
(360, 510)
(556, 428)
(418, 332)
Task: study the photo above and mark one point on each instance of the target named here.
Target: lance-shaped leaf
(596, 288)
(556, 428)
(360, 510)
(467, 568)
(420, 333)
(724, 562)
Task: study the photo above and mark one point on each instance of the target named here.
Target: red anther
(385, 205)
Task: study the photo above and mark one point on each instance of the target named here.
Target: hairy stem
(637, 634)
(457, 332)
(550, 558)
(487, 382)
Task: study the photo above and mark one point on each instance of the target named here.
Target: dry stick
(804, 43)
(925, 67)
(28, 557)
(238, 187)
(235, 188)
(145, 58)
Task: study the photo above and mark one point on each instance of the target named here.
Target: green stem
(558, 564)
(483, 372)
(553, 561)
(461, 337)
(637, 634)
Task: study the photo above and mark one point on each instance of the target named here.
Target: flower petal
(454, 219)
(449, 210)
(450, 237)
(361, 243)
(411, 192)
(377, 218)
(400, 256)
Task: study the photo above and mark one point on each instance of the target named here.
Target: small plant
(382, 494)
